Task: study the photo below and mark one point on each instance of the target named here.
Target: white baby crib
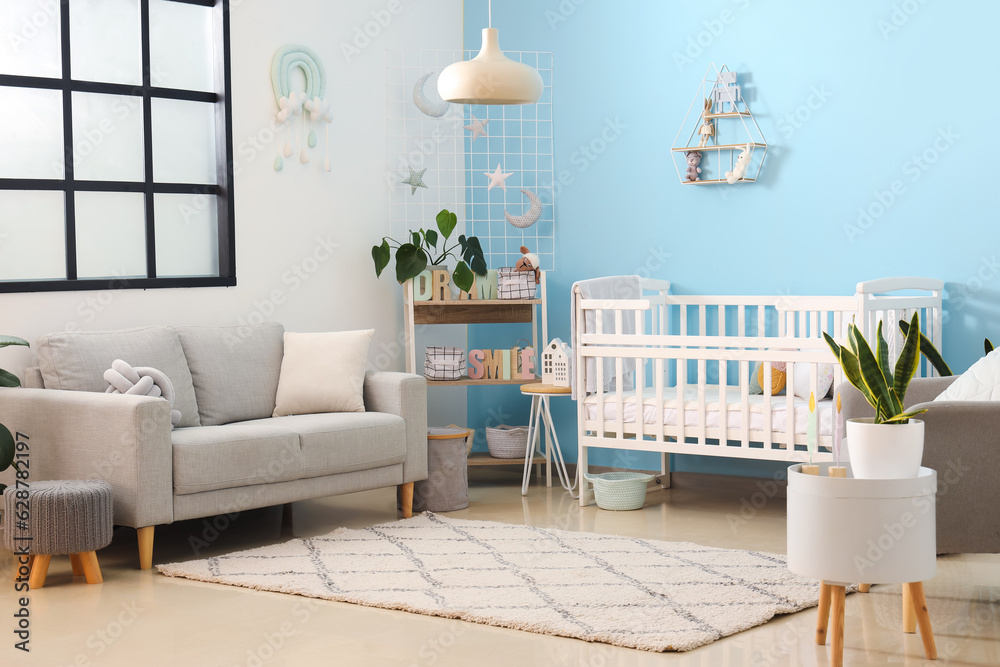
(664, 373)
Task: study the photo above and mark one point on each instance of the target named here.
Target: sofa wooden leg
(864, 588)
(406, 494)
(39, 569)
(145, 547)
(91, 568)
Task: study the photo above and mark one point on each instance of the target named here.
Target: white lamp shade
(490, 78)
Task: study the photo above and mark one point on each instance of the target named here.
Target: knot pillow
(141, 381)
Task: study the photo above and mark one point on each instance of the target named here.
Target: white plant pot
(885, 451)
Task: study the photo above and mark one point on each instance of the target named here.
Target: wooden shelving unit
(475, 311)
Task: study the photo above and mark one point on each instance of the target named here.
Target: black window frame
(222, 189)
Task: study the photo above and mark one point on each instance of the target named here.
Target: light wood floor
(144, 619)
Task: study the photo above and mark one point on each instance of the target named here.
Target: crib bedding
(734, 407)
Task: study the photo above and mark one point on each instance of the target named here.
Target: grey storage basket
(507, 442)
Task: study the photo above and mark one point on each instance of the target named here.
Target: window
(115, 145)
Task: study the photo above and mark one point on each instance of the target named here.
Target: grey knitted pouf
(65, 517)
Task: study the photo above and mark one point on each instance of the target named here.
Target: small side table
(880, 531)
(541, 417)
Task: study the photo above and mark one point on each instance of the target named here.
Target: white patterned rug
(645, 594)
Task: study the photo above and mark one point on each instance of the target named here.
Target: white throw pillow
(323, 372)
(980, 383)
(824, 380)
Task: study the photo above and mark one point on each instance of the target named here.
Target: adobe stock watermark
(915, 167)
(713, 28)
(987, 270)
(816, 100)
(587, 154)
(370, 30)
(899, 15)
(562, 12)
(104, 637)
(31, 26)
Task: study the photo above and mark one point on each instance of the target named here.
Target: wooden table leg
(923, 618)
(864, 588)
(837, 615)
(39, 569)
(91, 568)
(823, 614)
(909, 615)
(74, 560)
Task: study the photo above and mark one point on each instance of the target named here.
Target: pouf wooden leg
(31, 561)
(145, 547)
(864, 588)
(837, 616)
(823, 619)
(91, 568)
(923, 618)
(74, 560)
(39, 569)
(406, 493)
(909, 614)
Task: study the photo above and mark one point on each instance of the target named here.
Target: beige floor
(145, 619)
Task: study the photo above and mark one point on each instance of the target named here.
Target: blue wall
(852, 97)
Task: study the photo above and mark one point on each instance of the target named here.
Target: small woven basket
(619, 490)
(507, 442)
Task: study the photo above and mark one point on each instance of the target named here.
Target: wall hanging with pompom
(296, 109)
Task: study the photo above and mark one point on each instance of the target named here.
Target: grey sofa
(961, 441)
(228, 454)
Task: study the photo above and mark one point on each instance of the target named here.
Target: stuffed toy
(529, 262)
(707, 127)
(740, 170)
(693, 160)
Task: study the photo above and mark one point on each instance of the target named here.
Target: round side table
(541, 417)
(881, 531)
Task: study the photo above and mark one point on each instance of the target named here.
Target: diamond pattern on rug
(645, 594)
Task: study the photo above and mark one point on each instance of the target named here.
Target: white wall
(284, 220)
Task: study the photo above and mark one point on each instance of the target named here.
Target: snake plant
(8, 379)
(869, 371)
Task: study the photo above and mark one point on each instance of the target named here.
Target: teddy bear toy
(529, 262)
(693, 160)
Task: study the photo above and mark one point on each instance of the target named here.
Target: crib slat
(640, 379)
(814, 326)
(789, 434)
(702, 382)
(658, 408)
(766, 384)
(744, 367)
(761, 323)
(619, 398)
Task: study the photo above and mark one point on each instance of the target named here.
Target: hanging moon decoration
(531, 216)
(426, 106)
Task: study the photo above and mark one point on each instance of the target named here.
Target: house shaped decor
(719, 140)
(557, 364)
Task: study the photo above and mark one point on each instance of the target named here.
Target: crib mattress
(734, 406)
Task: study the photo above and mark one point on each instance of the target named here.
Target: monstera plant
(8, 379)
(414, 255)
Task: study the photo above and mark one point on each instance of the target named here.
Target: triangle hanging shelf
(717, 130)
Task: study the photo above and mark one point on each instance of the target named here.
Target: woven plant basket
(619, 490)
(507, 442)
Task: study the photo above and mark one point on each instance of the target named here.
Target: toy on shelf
(720, 128)
(529, 262)
(693, 160)
(557, 364)
(707, 130)
(742, 161)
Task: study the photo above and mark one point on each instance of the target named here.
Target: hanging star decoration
(477, 127)
(498, 178)
(415, 180)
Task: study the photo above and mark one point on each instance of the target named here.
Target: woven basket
(507, 442)
(619, 490)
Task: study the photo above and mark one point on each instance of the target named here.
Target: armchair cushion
(980, 383)
(77, 361)
(234, 370)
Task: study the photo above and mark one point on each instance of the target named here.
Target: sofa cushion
(234, 370)
(77, 361)
(344, 441)
(323, 372)
(233, 455)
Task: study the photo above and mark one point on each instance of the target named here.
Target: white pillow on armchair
(980, 383)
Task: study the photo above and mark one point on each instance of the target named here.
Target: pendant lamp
(490, 77)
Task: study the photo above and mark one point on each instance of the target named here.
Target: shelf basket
(507, 442)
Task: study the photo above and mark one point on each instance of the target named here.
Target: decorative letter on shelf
(475, 364)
